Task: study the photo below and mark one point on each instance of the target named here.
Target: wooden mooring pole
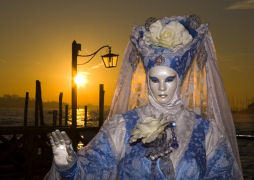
(60, 108)
(101, 105)
(38, 105)
(26, 108)
(36, 111)
(85, 116)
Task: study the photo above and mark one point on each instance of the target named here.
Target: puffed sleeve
(99, 159)
(221, 163)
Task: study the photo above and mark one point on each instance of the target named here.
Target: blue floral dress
(101, 160)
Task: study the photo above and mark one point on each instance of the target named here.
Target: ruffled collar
(170, 110)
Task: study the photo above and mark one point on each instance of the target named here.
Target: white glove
(62, 149)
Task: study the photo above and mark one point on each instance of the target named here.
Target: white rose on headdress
(172, 35)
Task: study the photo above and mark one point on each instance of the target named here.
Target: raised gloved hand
(62, 149)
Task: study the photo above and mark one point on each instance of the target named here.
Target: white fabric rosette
(172, 35)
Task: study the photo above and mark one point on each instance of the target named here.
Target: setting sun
(80, 80)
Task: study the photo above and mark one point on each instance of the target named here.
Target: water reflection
(92, 118)
(92, 121)
(80, 145)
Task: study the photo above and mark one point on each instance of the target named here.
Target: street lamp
(109, 60)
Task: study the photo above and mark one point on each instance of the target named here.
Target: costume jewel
(162, 146)
(174, 144)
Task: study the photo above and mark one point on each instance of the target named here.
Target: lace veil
(201, 91)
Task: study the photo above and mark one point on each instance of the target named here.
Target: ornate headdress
(192, 57)
(171, 42)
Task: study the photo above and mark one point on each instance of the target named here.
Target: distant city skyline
(36, 37)
(237, 104)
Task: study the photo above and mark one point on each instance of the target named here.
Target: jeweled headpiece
(171, 42)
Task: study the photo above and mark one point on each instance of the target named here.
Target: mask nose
(162, 86)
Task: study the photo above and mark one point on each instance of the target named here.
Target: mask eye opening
(154, 79)
(170, 79)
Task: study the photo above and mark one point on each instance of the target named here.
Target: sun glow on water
(92, 119)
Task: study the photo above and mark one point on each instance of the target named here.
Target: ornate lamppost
(109, 60)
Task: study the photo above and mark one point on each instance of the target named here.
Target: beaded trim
(162, 146)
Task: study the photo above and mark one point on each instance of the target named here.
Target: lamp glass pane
(106, 61)
(115, 60)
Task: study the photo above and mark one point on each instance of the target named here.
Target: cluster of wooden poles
(39, 117)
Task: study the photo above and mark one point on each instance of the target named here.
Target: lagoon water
(15, 116)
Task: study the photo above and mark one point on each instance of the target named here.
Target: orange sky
(36, 37)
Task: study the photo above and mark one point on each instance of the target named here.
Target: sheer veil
(202, 89)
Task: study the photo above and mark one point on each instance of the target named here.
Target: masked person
(169, 117)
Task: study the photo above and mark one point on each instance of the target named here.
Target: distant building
(251, 107)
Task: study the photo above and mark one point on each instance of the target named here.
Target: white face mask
(162, 81)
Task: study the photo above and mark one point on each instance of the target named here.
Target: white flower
(153, 36)
(148, 129)
(172, 35)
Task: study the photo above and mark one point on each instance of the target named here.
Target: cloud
(85, 73)
(88, 73)
(97, 66)
(244, 4)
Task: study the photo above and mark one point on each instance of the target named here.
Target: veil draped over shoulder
(202, 89)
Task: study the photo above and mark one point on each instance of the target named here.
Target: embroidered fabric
(201, 90)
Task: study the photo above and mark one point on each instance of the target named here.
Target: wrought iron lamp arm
(94, 53)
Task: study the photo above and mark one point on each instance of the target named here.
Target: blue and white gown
(203, 153)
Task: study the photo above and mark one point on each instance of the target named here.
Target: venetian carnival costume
(190, 137)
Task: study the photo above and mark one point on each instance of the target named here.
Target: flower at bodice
(148, 129)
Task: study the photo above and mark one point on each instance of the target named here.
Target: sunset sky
(36, 38)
